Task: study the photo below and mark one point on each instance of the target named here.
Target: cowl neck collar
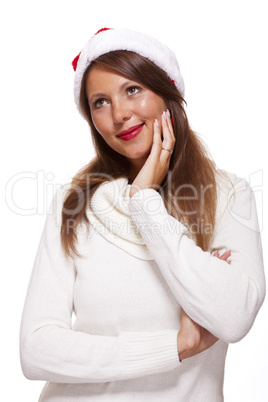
(110, 217)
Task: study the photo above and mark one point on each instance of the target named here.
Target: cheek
(98, 122)
(151, 107)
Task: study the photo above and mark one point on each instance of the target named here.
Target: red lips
(130, 130)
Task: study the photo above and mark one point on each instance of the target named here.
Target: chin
(139, 156)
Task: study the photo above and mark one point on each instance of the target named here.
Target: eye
(99, 103)
(133, 90)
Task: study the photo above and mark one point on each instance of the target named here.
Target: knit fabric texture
(103, 327)
(109, 214)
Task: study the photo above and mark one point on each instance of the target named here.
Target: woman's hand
(156, 166)
(224, 256)
(192, 338)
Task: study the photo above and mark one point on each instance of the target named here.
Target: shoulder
(230, 188)
(61, 193)
(229, 183)
(58, 199)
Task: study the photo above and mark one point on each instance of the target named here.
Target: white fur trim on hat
(123, 39)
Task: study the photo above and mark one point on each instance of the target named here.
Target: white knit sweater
(138, 271)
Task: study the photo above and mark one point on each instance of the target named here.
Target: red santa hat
(107, 40)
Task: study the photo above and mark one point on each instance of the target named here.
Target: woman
(138, 246)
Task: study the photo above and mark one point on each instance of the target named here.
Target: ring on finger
(169, 150)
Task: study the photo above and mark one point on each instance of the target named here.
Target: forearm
(221, 298)
(63, 355)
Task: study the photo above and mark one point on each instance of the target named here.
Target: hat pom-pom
(75, 61)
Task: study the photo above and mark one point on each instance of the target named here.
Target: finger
(216, 254)
(167, 129)
(169, 123)
(157, 142)
(226, 255)
(168, 140)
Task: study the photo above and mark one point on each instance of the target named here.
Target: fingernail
(156, 123)
(168, 112)
(164, 114)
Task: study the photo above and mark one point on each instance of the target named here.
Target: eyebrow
(102, 95)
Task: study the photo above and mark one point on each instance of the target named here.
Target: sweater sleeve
(223, 298)
(51, 350)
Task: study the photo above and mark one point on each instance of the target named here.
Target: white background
(222, 50)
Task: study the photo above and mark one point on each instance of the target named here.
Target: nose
(121, 112)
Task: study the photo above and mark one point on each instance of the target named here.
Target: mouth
(131, 133)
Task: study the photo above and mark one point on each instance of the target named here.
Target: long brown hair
(188, 190)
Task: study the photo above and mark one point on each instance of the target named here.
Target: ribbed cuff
(148, 353)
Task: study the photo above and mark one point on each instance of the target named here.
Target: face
(123, 112)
